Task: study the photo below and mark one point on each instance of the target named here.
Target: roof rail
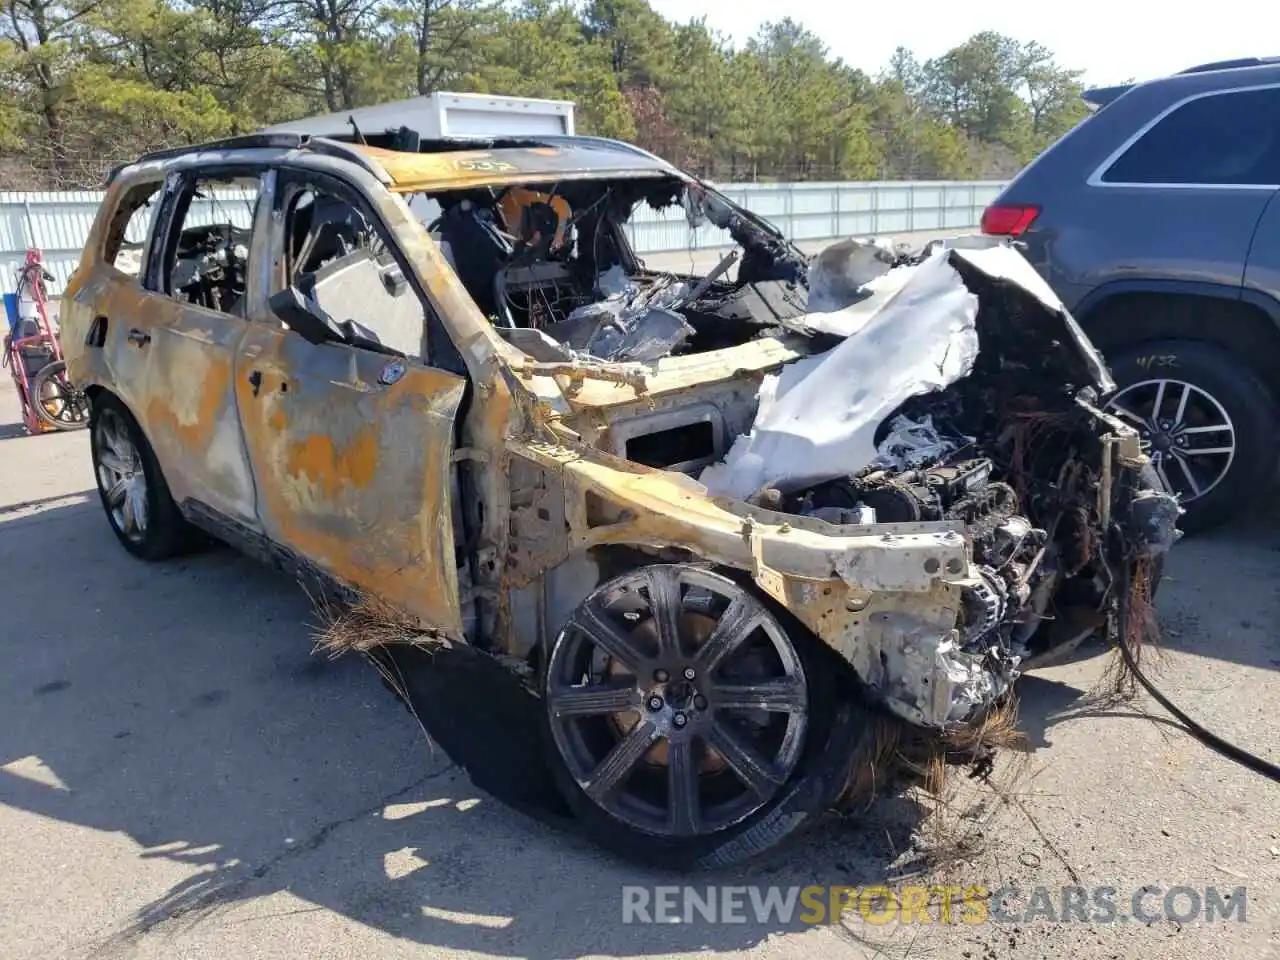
(1231, 64)
(1099, 97)
(257, 141)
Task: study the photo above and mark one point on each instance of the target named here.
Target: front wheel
(58, 403)
(1206, 420)
(684, 722)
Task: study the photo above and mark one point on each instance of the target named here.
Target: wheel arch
(96, 391)
(565, 584)
(1130, 312)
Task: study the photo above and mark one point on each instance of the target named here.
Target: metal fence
(58, 223)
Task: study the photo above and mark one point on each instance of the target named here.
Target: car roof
(1230, 74)
(451, 163)
(545, 161)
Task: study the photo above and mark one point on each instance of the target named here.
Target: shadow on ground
(179, 705)
(1202, 574)
(1233, 569)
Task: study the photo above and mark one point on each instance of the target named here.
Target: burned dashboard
(553, 269)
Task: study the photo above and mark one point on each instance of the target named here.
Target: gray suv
(1156, 221)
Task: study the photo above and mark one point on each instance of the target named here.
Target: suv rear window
(1221, 139)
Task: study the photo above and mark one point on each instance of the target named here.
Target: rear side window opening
(1220, 139)
(130, 229)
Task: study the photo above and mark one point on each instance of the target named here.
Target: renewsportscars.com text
(931, 904)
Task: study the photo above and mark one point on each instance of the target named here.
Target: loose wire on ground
(1210, 739)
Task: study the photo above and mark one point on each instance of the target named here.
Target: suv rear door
(352, 446)
(180, 333)
(1178, 196)
(1204, 169)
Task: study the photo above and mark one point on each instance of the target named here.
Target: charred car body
(713, 520)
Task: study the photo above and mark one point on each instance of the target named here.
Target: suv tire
(1200, 386)
(839, 732)
(131, 485)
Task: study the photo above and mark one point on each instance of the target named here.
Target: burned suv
(720, 525)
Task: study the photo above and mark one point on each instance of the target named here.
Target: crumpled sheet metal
(626, 326)
(996, 258)
(911, 443)
(818, 418)
(921, 673)
(838, 276)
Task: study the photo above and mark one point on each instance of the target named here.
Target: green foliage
(999, 91)
(85, 84)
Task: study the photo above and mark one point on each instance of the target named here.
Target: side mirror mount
(304, 316)
(309, 320)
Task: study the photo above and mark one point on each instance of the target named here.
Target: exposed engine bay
(945, 390)
(981, 415)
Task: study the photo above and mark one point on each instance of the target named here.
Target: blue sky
(1110, 40)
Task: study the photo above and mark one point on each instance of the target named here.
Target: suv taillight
(1008, 220)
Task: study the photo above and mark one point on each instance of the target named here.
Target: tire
(124, 461)
(74, 412)
(1219, 389)
(835, 723)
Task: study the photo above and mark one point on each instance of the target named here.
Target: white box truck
(446, 115)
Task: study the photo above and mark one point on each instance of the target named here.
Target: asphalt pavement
(181, 778)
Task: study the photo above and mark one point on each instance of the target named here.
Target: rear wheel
(134, 494)
(684, 720)
(1206, 420)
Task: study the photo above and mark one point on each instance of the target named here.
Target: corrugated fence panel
(59, 223)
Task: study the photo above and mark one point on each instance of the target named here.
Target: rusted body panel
(833, 581)
(357, 475)
(190, 412)
(793, 559)
(365, 474)
(354, 473)
(172, 363)
(478, 494)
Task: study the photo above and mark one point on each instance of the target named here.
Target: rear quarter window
(1225, 139)
(130, 228)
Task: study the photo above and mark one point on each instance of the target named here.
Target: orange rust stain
(320, 461)
(192, 429)
(346, 529)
